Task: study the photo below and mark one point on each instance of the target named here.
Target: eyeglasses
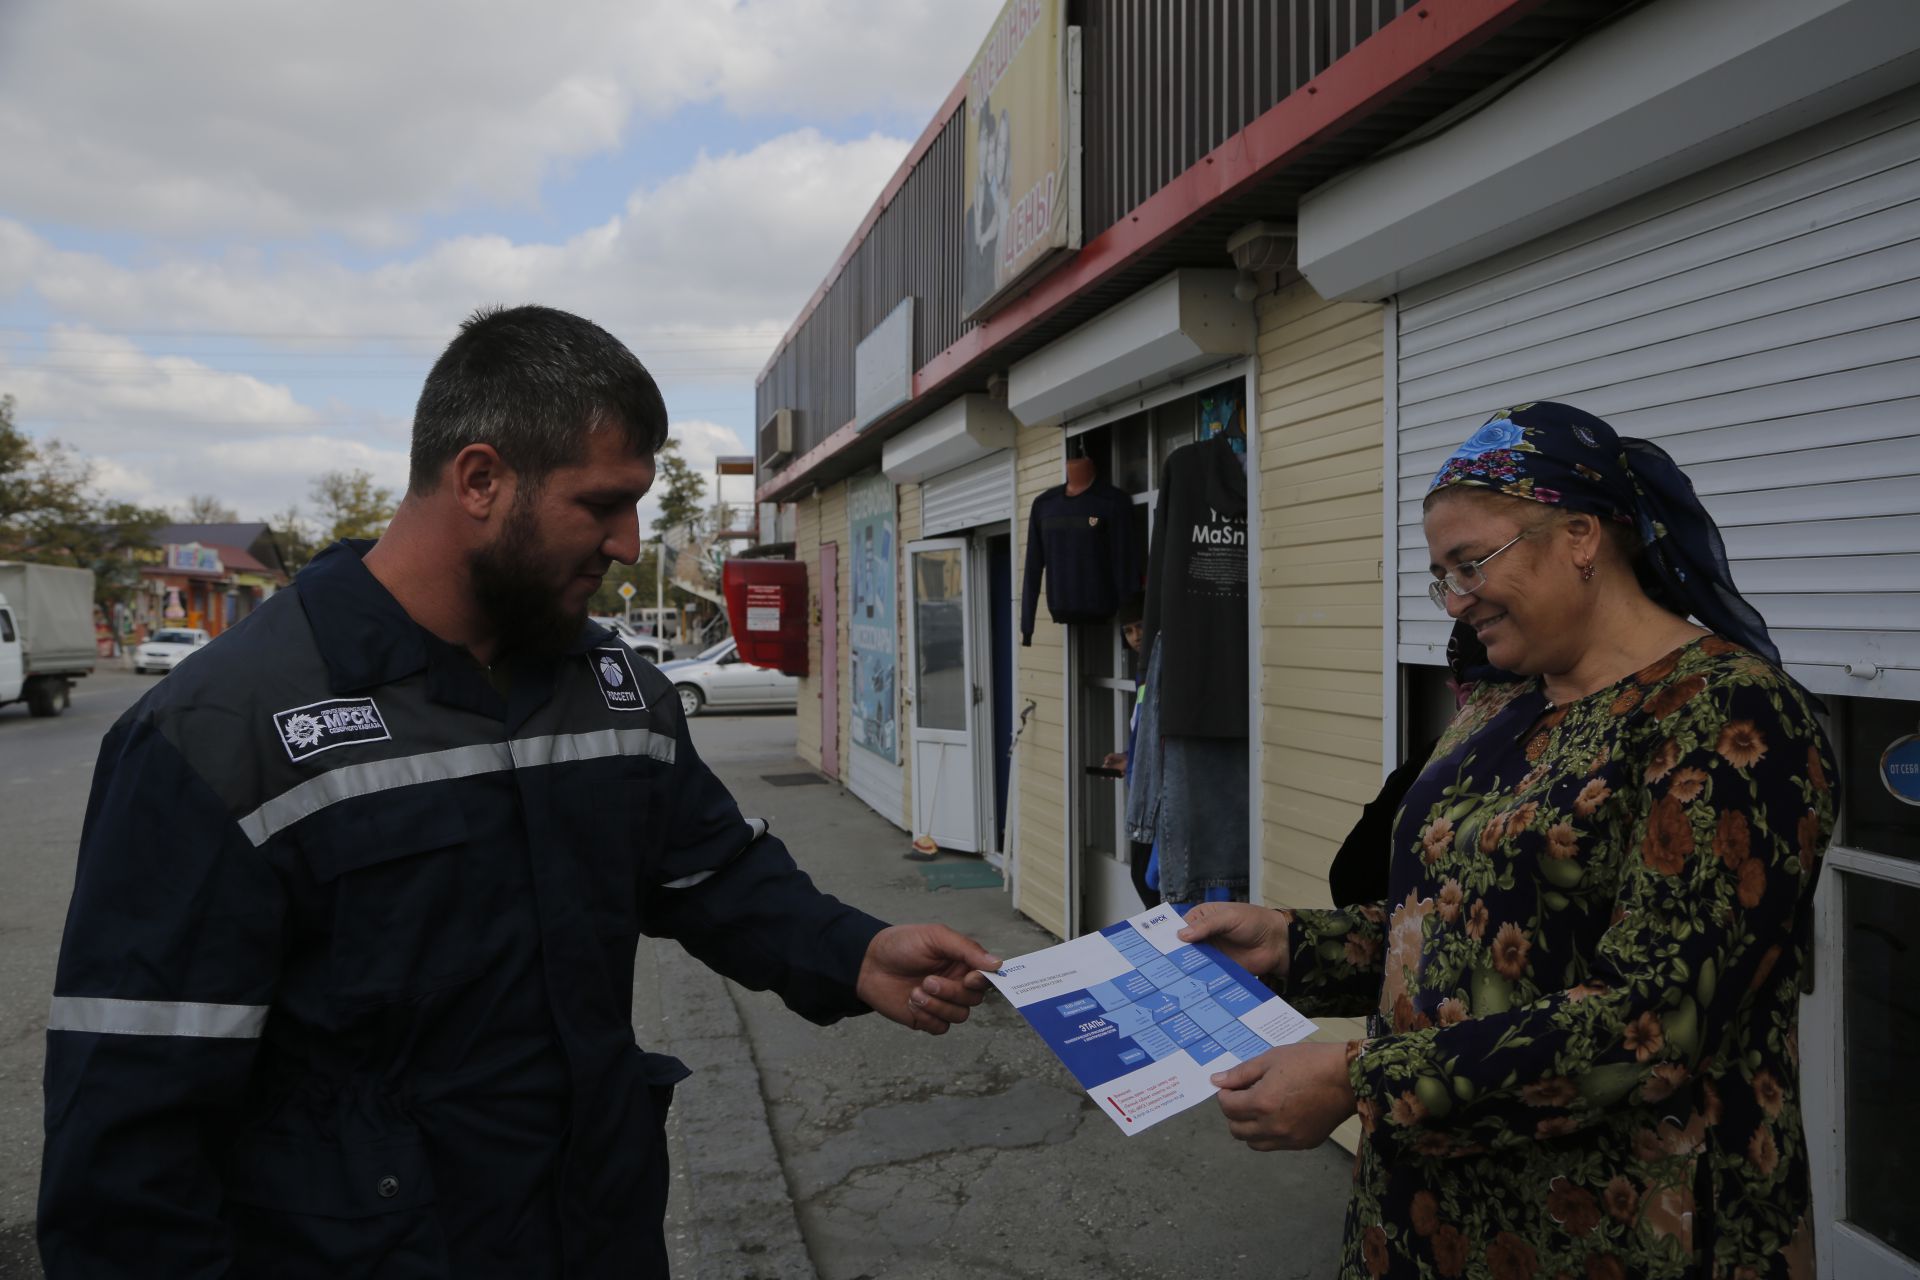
(1466, 577)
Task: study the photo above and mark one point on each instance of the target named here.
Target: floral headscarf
(1565, 457)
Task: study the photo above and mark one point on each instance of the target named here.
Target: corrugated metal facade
(1760, 321)
(912, 250)
(1166, 83)
(1321, 617)
(1163, 84)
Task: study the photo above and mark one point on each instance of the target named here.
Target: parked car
(720, 680)
(46, 634)
(166, 648)
(652, 648)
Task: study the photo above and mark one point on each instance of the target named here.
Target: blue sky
(235, 233)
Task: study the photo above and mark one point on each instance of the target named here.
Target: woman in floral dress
(1590, 960)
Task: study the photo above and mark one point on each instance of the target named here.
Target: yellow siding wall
(1039, 678)
(907, 513)
(806, 548)
(1321, 372)
(833, 528)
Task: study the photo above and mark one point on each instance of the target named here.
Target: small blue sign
(1900, 768)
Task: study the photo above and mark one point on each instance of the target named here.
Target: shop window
(1873, 951)
(1132, 453)
(1882, 1003)
(1872, 817)
(1129, 453)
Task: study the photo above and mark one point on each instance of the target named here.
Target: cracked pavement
(862, 1151)
(855, 1152)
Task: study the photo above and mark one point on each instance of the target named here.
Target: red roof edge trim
(1372, 73)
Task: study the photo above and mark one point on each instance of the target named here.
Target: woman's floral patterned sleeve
(1334, 960)
(1724, 841)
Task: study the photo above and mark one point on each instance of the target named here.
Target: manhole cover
(793, 779)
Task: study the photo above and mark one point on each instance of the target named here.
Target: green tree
(50, 513)
(294, 534)
(682, 491)
(204, 508)
(351, 505)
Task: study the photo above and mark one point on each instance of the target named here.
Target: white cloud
(102, 382)
(265, 119)
(264, 359)
(160, 428)
(737, 242)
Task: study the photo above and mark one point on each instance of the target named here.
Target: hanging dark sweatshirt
(1083, 544)
(1197, 592)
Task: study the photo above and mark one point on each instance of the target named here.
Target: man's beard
(516, 592)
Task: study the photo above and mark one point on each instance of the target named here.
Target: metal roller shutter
(1761, 321)
(976, 494)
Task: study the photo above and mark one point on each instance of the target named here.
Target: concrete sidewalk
(865, 1151)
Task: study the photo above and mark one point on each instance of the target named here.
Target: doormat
(960, 875)
(793, 779)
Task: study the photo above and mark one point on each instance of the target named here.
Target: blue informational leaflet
(1142, 1019)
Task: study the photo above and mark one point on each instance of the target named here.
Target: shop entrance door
(1860, 1024)
(946, 804)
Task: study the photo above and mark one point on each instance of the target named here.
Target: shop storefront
(1106, 408)
(204, 577)
(1755, 312)
(1084, 263)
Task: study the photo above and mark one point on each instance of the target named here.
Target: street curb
(732, 1215)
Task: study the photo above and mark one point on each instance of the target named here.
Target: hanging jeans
(1144, 761)
(1205, 842)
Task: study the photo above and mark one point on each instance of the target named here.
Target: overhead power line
(659, 334)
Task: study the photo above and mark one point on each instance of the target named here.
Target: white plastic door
(945, 798)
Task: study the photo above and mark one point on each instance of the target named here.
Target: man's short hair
(532, 382)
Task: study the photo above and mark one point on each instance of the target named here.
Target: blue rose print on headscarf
(1499, 432)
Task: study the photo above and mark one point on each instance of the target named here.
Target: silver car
(652, 648)
(720, 681)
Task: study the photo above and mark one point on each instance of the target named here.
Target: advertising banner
(873, 626)
(1020, 200)
(191, 557)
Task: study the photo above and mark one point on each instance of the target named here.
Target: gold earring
(1586, 573)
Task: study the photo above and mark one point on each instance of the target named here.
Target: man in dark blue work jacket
(346, 983)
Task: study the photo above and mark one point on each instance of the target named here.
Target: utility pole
(660, 590)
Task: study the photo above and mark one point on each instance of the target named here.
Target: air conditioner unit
(776, 438)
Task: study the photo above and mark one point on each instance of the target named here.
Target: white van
(46, 634)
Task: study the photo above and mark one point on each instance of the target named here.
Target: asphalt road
(45, 769)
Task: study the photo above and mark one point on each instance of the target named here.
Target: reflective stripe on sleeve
(353, 780)
(156, 1018)
(567, 748)
(373, 776)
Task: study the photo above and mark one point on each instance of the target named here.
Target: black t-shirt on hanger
(1197, 592)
